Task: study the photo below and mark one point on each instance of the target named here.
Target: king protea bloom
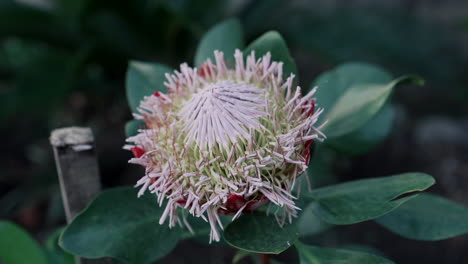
(225, 139)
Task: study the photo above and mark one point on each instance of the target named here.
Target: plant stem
(264, 259)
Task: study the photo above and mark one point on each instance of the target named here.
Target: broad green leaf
(260, 233)
(320, 171)
(368, 136)
(427, 217)
(309, 224)
(201, 229)
(17, 246)
(361, 200)
(363, 248)
(132, 126)
(317, 255)
(273, 42)
(56, 254)
(117, 224)
(226, 37)
(143, 79)
(358, 105)
(334, 84)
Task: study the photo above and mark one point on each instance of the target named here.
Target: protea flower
(225, 140)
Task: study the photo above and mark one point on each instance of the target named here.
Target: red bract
(312, 107)
(137, 152)
(254, 204)
(235, 202)
(204, 70)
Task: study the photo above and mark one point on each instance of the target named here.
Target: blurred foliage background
(63, 63)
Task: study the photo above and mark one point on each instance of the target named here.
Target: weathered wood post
(78, 171)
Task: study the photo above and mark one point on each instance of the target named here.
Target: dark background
(63, 63)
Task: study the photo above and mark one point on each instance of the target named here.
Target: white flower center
(221, 112)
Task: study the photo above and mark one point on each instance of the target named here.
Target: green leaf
(368, 136)
(309, 224)
(56, 254)
(359, 104)
(316, 255)
(226, 37)
(143, 79)
(427, 217)
(117, 224)
(132, 126)
(320, 171)
(118, 36)
(28, 22)
(274, 43)
(71, 11)
(260, 233)
(361, 200)
(334, 84)
(363, 248)
(35, 93)
(241, 254)
(17, 246)
(202, 229)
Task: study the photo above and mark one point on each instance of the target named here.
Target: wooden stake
(78, 172)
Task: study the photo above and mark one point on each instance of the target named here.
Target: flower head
(225, 140)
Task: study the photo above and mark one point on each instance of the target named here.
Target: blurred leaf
(363, 248)
(260, 233)
(274, 43)
(316, 255)
(427, 217)
(143, 79)
(115, 34)
(56, 254)
(17, 246)
(464, 24)
(204, 12)
(71, 11)
(33, 23)
(226, 37)
(132, 126)
(253, 10)
(45, 80)
(358, 105)
(374, 34)
(361, 200)
(129, 232)
(241, 254)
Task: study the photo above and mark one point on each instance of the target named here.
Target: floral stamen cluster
(225, 140)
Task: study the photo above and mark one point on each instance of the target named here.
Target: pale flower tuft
(225, 140)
